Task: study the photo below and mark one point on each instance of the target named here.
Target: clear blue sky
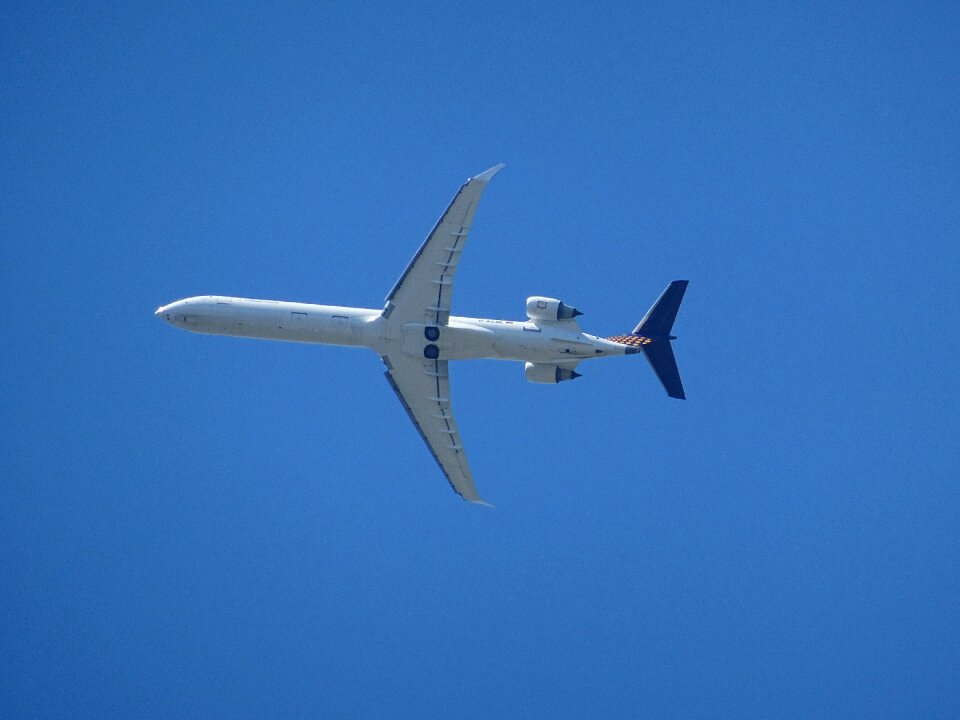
(199, 526)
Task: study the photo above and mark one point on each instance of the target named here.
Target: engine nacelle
(547, 374)
(549, 309)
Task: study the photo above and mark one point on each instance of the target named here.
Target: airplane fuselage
(462, 338)
(415, 334)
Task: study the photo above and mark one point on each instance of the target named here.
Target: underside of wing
(423, 292)
(423, 388)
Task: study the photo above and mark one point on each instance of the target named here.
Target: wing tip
(482, 503)
(487, 174)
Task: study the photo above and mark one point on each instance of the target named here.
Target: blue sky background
(196, 526)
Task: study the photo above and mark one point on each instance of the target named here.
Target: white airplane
(416, 336)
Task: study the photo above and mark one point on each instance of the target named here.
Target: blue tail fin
(652, 337)
(658, 322)
(659, 354)
(654, 332)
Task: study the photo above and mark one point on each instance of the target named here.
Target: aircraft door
(298, 322)
(341, 327)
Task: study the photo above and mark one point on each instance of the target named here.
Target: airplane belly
(519, 345)
(530, 343)
(447, 342)
(464, 343)
(275, 320)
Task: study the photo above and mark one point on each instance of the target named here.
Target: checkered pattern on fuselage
(631, 340)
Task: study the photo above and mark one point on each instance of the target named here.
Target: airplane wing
(423, 388)
(422, 294)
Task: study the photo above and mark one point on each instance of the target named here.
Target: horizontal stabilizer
(660, 356)
(658, 322)
(653, 338)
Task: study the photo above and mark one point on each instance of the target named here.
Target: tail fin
(655, 330)
(658, 322)
(659, 354)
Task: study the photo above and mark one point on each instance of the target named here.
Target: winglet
(484, 503)
(487, 174)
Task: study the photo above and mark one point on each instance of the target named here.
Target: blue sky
(198, 526)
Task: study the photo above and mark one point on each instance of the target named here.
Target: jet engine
(547, 374)
(549, 309)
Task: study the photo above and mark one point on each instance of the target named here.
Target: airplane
(416, 336)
